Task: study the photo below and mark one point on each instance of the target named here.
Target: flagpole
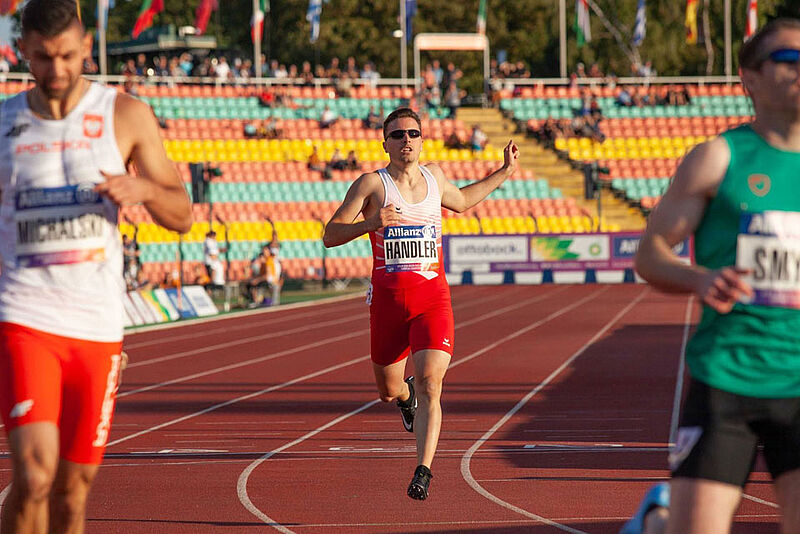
(403, 43)
(257, 41)
(101, 44)
(728, 39)
(562, 38)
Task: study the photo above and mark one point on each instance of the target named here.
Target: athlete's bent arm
(675, 218)
(460, 200)
(159, 186)
(342, 227)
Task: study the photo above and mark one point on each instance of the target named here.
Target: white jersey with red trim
(60, 248)
(410, 253)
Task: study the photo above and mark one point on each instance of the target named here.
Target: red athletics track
(557, 412)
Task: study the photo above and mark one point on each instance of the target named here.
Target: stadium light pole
(403, 43)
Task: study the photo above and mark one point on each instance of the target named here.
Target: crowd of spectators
(336, 163)
(240, 70)
(439, 87)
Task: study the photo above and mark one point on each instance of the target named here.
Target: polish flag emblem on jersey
(92, 125)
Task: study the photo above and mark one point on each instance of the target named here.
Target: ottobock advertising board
(536, 252)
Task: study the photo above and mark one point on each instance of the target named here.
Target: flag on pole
(582, 26)
(8, 7)
(7, 52)
(411, 11)
(752, 19)
(639, 28)
(203, 14)
(146, 14)
(691, 21)
(257, 22)
(313, 16)
(481, 28)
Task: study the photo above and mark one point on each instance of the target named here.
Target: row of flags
(583, 30)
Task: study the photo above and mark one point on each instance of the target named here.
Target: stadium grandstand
(265, 186)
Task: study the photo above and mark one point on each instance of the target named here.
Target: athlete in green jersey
(739, 195)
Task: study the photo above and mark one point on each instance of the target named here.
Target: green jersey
(753, 222)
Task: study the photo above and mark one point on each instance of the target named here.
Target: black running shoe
(418, 489)
(408, 408)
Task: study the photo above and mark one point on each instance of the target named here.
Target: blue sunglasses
(790, 56)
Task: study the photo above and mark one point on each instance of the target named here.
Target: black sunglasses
(789, 56)
(400, 134)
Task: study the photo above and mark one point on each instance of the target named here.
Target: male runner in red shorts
(410, 311)
(64, 146)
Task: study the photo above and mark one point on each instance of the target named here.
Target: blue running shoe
(657, 496)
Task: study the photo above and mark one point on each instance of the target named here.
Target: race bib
(410, 248)
(769, 246)
(60, 225)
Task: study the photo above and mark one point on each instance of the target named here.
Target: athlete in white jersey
(410, 311)
(64, 147)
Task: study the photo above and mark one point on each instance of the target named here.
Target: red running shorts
(406, 320)
(66, 381)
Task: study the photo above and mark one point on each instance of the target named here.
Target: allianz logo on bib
(410, 232)
(48, 197)
(784, 224)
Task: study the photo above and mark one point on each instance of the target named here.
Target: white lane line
(308, 346)
(245, 363)
(239, 399)
(215, 318)
(3, 495)
(760, 501)
(324, 371)
(245, 341)
(300, 379)
(676, 399)
(237, 327)
(241, 486)
(465, 460)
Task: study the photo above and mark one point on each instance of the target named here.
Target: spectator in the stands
(222, 70)
(373, 121)
(352, 161)
(306, 74)
(265, 276)
(337, 162)
(433, 98)
(315, 163)
(141, 65)
(129, 68)
(624, 97)
(478, 139)
(250, 130)
(452, 99)
(453, 140)
(186, 63)
(212, 260)
(369, 73)
(328, 117)
(201, 277)
(334, 72)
